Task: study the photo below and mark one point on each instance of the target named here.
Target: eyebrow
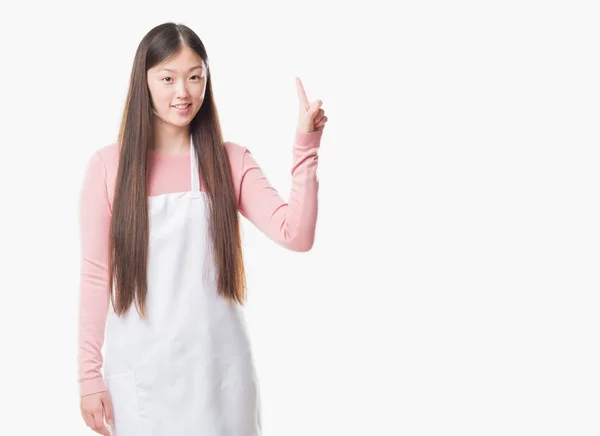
(173, 71)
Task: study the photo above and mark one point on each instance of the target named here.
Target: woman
(160, 230)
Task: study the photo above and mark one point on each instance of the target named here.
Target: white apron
(186, 370)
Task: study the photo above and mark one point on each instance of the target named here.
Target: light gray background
(453, 286)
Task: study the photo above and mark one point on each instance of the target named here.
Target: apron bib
(187, 369)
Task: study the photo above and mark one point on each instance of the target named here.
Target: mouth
(183, 109)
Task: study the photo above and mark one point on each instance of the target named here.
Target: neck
(169, 138)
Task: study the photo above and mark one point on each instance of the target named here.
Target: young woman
(162, 276)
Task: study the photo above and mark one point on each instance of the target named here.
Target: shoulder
(239, 157)
(236, 154)
(101, 159)
(105, 156)
(102, 167)
(108, 154)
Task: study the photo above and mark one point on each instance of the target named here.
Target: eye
(197, 77)
(165, 79)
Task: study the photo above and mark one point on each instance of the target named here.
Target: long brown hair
(129, 231)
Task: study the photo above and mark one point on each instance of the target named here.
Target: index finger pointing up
(302, 94)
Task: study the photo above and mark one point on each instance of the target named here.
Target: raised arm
(94, 218)
(290, 223)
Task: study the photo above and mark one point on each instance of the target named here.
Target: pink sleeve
(94, 232)
(291, 224)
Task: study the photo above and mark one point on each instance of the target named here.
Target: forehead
(184, 60)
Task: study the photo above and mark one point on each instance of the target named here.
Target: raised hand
(311, 116)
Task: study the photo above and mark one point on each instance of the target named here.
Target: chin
(180, 123)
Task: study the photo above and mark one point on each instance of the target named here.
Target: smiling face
(177, 87)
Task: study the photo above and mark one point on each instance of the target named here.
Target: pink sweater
(290, 224)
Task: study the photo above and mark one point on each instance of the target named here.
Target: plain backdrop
(453, 288)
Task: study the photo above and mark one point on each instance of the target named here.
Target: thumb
(314, 107)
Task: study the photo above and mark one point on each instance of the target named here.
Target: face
(177, 87)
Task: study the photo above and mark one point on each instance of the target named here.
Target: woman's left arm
(290, 223)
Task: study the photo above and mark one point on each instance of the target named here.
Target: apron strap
(195, 177)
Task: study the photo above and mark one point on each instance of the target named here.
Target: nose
(181, 89)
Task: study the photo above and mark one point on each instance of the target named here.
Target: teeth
(182, 106)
